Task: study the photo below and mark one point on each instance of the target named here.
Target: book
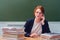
(51, 36)
(13, 33)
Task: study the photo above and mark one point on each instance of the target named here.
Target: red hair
(39, 7)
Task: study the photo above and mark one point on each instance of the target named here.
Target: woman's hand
(43, 18)
(34, 35)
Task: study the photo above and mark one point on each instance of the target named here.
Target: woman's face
(38, 14)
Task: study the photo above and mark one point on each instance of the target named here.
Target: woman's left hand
(43, 18)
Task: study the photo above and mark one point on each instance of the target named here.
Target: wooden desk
(29, 38)
(25, 38)
(1, 38)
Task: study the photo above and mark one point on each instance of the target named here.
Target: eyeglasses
(39, 12)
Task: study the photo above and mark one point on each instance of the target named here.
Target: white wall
(54, 27)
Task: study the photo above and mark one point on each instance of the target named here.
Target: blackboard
(21, 10)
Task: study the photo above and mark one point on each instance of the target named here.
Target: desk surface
(1, 38)
(25, 38)
(29, 38)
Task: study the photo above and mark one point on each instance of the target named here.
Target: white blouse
(37, 28)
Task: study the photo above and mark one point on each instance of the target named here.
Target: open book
(50, 35)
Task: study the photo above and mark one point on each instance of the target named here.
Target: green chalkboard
(21, 10)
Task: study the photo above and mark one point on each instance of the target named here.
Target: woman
(38, 25)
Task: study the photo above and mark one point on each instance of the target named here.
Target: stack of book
(13, 33)
(50, 36)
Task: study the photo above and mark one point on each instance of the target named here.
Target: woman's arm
(28, 26)
(26, 29)
(46, 28)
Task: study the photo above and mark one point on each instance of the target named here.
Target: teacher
(38, 25)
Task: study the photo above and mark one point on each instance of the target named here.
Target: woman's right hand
(33, 35)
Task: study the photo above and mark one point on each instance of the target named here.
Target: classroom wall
(21, 10)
